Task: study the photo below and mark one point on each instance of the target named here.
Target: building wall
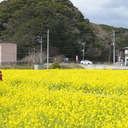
(8, 52)
(126, 60)
(0, 53)
(126, 56)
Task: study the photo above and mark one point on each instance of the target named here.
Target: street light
(83, 49)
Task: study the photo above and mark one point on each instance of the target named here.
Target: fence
(13, 63)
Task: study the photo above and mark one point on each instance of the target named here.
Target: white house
(126, 55)
(8, 52)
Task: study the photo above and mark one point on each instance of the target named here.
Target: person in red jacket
(1, 76)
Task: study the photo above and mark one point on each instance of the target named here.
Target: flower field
(75, 98)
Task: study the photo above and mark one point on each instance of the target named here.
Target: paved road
(95, 66)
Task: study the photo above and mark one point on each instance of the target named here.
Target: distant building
(126, 55)
(8, 53)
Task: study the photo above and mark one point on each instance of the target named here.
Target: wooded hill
(23, 20)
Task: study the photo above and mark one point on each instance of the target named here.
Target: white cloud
(90, 6)
(111, 12)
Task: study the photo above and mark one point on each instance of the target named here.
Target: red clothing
(0, 77)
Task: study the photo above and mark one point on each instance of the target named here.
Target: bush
(56, 65)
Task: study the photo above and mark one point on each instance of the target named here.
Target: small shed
(8, 53)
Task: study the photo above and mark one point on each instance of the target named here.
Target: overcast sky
(109, 12)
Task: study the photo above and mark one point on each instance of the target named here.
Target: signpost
(77, 58)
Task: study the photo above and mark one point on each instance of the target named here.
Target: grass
(63, 66)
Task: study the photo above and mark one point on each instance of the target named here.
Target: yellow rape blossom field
(75, 98)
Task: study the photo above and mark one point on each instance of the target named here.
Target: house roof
(126, 48)
(6, 41)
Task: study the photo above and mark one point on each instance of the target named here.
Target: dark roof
(6, 41)
(126, 48)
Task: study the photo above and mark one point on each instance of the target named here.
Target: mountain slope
(23, 20)
(104, 40)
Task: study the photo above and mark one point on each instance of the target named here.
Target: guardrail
(95, 66)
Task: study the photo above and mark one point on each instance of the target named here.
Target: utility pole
(34, 56)
(39, 39)
(47, 48)
(113, 44)
(83, 49)
(109, 58)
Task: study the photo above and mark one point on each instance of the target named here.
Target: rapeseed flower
(76, 98)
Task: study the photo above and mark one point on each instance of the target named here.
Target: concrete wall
(95, 66)
(8, 52)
